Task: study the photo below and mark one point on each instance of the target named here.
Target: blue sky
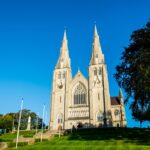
(30, 39)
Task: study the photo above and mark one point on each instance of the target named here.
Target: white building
(84, 101)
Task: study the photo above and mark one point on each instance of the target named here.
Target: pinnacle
(97, 55)
(64, 41)
(79, 72)
(95, 30)
(120, 93)
(64, 53)
(65, 36)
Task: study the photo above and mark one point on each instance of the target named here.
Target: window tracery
(80, 94)
(99, 117)
(60, 118)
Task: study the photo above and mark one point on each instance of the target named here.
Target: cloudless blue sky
(30, 38)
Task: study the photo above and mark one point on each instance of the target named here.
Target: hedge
(39, 140)
(13, 144)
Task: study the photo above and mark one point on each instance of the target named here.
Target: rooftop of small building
(115, 100)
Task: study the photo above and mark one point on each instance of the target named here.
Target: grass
(8, 137)
(27, 133)
(97, 139)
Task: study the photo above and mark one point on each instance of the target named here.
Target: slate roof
(115, 100)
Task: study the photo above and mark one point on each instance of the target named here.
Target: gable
(79, 78)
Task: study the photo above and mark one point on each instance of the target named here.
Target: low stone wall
(30, 140)
(3, 145)
(23, 139)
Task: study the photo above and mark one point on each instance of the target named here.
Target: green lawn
(98, 139)
(8, 137)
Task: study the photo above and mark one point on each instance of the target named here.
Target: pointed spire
(64, 60)
(78, 68)
(65, 36)
(95, 31)
(120, 93)
(64, 41)
(97, 55)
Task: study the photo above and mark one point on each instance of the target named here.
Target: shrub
(13, 144)
(27, 133)
(5, 139)
(22, 143)
(44, 140)
(39, 140)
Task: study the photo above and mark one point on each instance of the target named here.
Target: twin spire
(64, 59)
(97, 56)
(64, 42)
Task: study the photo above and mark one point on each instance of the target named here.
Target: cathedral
(80, 101)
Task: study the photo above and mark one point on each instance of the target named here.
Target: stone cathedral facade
(84, 101)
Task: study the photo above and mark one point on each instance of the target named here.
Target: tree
(133, 74)
(10, 120)
(6, 121)
(24, 119)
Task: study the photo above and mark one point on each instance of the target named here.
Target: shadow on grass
(128, 135)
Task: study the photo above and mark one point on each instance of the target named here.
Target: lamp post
(19, 123)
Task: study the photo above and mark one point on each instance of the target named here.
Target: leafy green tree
(10, 120)
(133, 74)
(1, 122)
(24, 119)
(6, 121)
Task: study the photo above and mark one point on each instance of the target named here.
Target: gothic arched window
(79, 94)
(99, 117)
(59, 76)
(116, 113)
(95, 72)
(60, 118)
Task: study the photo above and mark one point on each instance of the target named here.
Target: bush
(27, 133)
(56, 135)
(44, 140)
(13, 144)
(5, 139)
(39, 140)
(22, 143)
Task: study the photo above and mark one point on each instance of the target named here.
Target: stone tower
(61, 80)
(99, 96)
